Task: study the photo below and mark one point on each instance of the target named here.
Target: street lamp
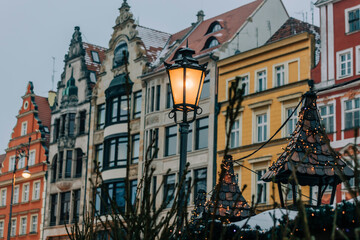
(186, 78)
(23, 150)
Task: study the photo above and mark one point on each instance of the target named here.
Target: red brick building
(33, 121)
(337, 76)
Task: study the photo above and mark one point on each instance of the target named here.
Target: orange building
(33, 122)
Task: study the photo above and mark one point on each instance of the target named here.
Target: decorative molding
(260, 159)
(290, 97)
(260, 104)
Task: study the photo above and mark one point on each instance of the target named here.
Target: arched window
(214, 27)
(54, 169)
(119, 52)
(211, 42)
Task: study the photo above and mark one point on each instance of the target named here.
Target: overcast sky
(32, 32)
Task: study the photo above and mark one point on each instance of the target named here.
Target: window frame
(238, 132)
(120, 47)
(71, 124)
(64, 204)
(357, 61)
(347, 25)
(197, 133)
(255, 113)
(12, 161)
(352, 111)
(34, 198)
(99, 152)
(97, 56)
(197, 180)
(16, 195)
(101, 116)
(169, 189)
(338, 63)
(22, 230)
(13, 227)
(285, 72)
(135, 138)
(265, 190)
(172, 136)
(169, 97)
(137, 95)
(116, 162)
(3, 196)
(293, 120)
(257, 77)
(92, 76)
(25, 197)
(32, 160)
(206, 86)
(2, 223)
(32, 223)
(24, 128)
(325, 118)
(82, 122)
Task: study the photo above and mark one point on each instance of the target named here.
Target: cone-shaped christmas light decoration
(309, 154)
(231, 206)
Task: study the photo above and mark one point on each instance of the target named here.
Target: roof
(44, 111)
(90, 63)
(230, 22)
(292, 27)
(153, 40)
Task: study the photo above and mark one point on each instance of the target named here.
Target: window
(133, 191)
(54, 169)
(32, 157)
(64, 207)
(13, 227)
(279, 75)
(352, 113)
(68, 164)
(261, 81)
(290, 194)
(152, 99)
(36, 191)
(170, 140)
(23, 224)
(135, 148)
(118, 109)
(79, 163)
(205, 93)
(154, 191)
(116, 152)
(53, 209)
(115, 192)
(82, 122)
(169, 190)
(202, 126)
(71, 129)
(235, 135)
(61, 161)
(16, 194)
(261, 127)
(76, 205)
(261, 187)
(169, 99)
(153, 133)
(100, 116)
(199, 181)
(210, 43)
(137, 104)
(34, 224)
(99, 155)
(63, 124)
(244, 80)
(1, 228)
(119, 57)
(344, 65)
(189, 138)
(21, 163)
(56, 129)
(11, 163)
(95, 56)
(327, 115)
(214, 27)
(93, 77)
(158, 94)
(3, 197)
(23, 128)
(291, 124)
(25, 192)
(354, 20)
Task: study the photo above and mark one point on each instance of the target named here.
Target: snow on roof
(265, 219)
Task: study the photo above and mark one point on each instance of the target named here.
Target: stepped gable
(291, 27)
(232, 206)
(2, 159)
(44, 111)
(89, 61)
(153, 40)
(309, 152)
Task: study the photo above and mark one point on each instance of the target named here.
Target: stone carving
(76, 48)
(152, 119)
(64, 185)
(125, 13)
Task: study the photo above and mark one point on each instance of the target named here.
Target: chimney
(200, 16)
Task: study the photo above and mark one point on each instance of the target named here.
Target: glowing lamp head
(26, 174)
(186, 78)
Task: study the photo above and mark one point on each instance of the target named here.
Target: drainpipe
(86, 161)
(216, 112)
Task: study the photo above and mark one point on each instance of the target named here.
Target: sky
(33, 32)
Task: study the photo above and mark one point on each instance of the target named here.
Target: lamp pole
(26, 174)
(186, 78)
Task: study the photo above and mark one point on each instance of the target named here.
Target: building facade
(28, 205)
(337, 77)
(275, 76)
(69, 142)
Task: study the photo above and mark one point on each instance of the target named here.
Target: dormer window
(211, 42)
(95, 57)
(119, 52)
(214, 27)
(92, 77)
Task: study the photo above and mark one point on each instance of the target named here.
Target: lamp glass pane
(176, 81)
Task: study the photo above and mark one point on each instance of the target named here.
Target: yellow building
(276, 75)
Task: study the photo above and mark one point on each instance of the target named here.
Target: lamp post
(23, 150)
(186, 78)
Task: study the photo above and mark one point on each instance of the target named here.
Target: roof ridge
(153, 29)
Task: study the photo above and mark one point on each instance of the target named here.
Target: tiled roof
(44, 111)
(230, 21)
(309, 153)
(153, 40)
(90, 64)
(292, 27)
